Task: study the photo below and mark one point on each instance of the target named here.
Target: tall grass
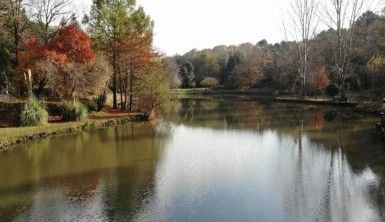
(33, 114)
(74, 111)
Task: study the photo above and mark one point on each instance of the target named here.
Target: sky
(182, 25)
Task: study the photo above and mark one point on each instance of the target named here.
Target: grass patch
(10, 137)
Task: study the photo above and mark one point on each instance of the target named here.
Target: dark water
(209, 160)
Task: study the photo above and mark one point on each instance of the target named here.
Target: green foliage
(74, 111)
(153, 88)
(332, 91)
(97, 103)
(33, 114)
(5, 67)
(186, 72)
(92, 106)
(230, 78)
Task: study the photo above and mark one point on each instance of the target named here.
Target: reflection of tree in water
(131, 186)
(350, 144)
(116, 164)
(336, 183)
(219, 113)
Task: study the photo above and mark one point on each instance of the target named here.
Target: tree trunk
(125, 90)
(114, 83)
(131, 91)
(121, 90)
(28, 79)
(16, 42)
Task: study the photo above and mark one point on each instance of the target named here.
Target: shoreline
(10, 137)
(315, 101)
(356, 105)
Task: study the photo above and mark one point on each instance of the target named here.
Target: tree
(341, 15)
(376, 67)
(320, 79)
(186, 72)
(13, 15)
(136, 53)
(5, 69)
(250, 72)
(109, 22)
(205, 65)
(47, 13)
(74, 43)
(173, 72)
(230, 78)
(67, 65)
(304, 18)
(152, 88)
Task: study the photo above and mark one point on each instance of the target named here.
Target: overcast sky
(182, 25)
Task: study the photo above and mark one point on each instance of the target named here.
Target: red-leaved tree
(74, 43)
(320, 79)
(63, 65)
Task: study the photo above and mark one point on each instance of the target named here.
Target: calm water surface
(209, 160)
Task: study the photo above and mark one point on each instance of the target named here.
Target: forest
(50, 53)
(346, 59)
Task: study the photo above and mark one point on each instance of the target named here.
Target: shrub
(33, 114)
(75, 111)
(92, 106)
(97, 104)
(101, 101)
(209, 82)
(54, 108)
(332, 91)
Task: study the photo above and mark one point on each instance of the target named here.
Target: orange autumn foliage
(74, 43)
(137, 51)
(320, 78)
(33, 51)
(70, 45)
(65, 66)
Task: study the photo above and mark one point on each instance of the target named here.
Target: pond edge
(38, 133)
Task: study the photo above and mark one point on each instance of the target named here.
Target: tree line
(347, 56)
(48, 52)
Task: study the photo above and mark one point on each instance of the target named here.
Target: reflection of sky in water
(255, 177)
(57, 206)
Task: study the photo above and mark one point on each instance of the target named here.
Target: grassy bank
(9, 137)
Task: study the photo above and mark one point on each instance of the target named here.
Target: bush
(54, 108)
(209, 82)
(75, 111)
(33, 114)
(332, 91)
(92, 106)
(97, 104)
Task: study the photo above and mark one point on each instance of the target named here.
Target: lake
(207, 159)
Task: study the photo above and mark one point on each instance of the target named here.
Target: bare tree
(304, 23)
(341, 15)
(50, 13)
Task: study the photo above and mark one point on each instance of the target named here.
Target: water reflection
(211, 159)
(82, 176)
